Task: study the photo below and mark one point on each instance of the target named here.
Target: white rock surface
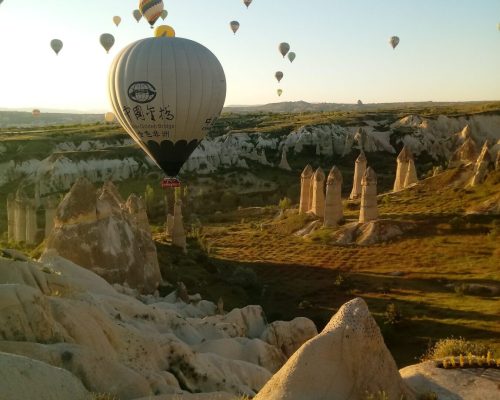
(344, 362)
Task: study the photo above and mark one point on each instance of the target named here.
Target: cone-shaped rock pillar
(402, 168)
(369, 211)
(11, 222)
(284, 161)
(333, 201)
(178, 234)
(482, 166)
(466, 153)
(359, 171)
(31, 225)
(305, 189)
(318, 194)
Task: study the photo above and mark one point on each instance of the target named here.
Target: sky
(449, 49)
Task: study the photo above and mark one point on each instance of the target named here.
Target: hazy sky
(449, 49)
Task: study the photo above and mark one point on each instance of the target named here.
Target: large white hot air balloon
(393, 41)
(107, 41)
(167, 92)
(56, 45)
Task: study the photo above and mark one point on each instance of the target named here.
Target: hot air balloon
(291, 56)
(109, 116)
(169, 99)
(117, 20)
(394, 41)
(164, 14)
(164, 31)
(137, 15)
(36, 112)
(235, 25)
(284, 48)
(498, 26)
(279, 75)
(151, 10)
(56, 45)
(107, 41)
(279, 91)
(247, 2)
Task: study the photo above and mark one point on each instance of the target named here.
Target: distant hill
(23, 119)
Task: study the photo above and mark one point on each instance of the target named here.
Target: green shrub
(455, 347)
(285, 203)
(392, 315)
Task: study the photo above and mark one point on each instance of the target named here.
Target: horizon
(342, 50)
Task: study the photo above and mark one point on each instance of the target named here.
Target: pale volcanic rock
(411, 174)
(333, 202)
(318, 194)
(403, 162)
(373, 232)
(305, 189)
(344, 362)
(288, 336)
(368, 210)
(23, 378)
(465, 154)
(284, 161)
(95, 231)
(482, 166)
(451, 384)
(359, 171)
(178, 234)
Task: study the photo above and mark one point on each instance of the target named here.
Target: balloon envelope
(394, 41)
(164, 31)
(284, 48)
(498, 26)
(151, 10)
(247, 2)
(137, 15)
(234, 25)
(117, 20)
(56, 45)
(107, 41)
(35, 112)
(291, 56)
(167, 93)
(279, 91)
(164, 14)
(278, 75)
(109, 116)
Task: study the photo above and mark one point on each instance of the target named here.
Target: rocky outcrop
(373, 232)
(368, 209)
(359, 171)
(318, 194)
(116, 341)
(451, 384)
(305, 189)
(178, 234)
(406, 173)
(347, 360)
(333, 202)
(284, 161)
(467, 153)
(99, 231)
(482, 166)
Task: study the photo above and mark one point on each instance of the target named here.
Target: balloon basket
(169, 182)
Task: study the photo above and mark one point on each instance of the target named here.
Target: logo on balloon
(141, 92)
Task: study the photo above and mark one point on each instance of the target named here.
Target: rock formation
(373, 232)
(169, 224)
(406, 173)
(305, 189)
(497, 162)
(284, 161)
(318, 194)
(359, 171)
(11, 224)
(333, 202)
(50, 214)
(178, 234)
(465, 154)
(31, 223)
(360, 138)
(482, 166)
(96, 230)
(368, 210)
(137, 210)
(347, 360)
(20, 217)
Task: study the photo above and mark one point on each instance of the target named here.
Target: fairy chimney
(333, 201)
(368, 211)
(305, 189)
(360, 138)
(359, 171)
(318, 194)
(402, 168)
(50, 214)
(20, 217)
(284, 162)
(482, 166)
(411, 174)
(137, 210)
(465, 154)
(178, 234)
(11, 222)
(31, 223)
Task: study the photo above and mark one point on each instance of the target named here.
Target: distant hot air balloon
(394, 41)
(235, 25)
(56, 45)
(167, 103)
(151, 10)
(291, 56)
(247, 2)
(164, 31)
(107, 41)
(360, 103)
(279, 91)
(164, 14)
(137, 15)
(498, 26)
(36, 112)
(109, 116)
(117, 20)
(284, 48)
(279, 75)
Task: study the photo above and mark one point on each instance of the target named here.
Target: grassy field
(249, 255)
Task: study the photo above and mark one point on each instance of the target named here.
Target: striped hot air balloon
(151, 10)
